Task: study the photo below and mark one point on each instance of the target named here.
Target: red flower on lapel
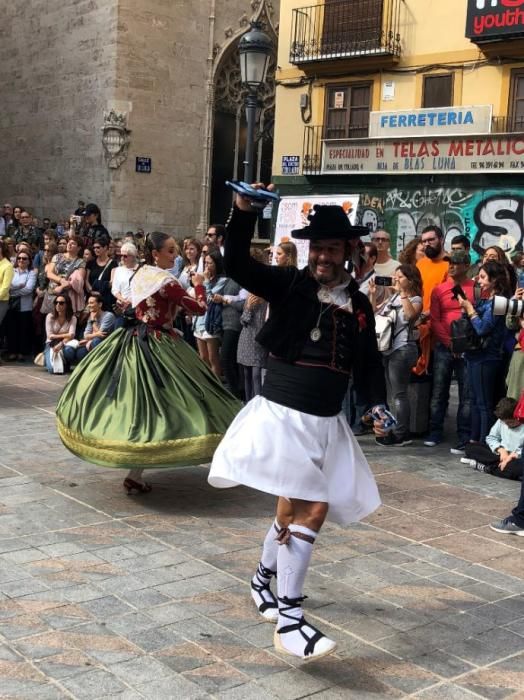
(362, 320)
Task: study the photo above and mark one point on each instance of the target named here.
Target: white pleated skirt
(288, 453)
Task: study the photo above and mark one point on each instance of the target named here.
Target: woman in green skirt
(143, 398)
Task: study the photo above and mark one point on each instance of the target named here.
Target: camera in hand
(457, 292)
(503, 306)
(384, 281)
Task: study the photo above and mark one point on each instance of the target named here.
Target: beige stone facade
(66, 64)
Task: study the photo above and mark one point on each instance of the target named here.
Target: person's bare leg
(284, 511)
(213, 349)
(202, 351)
(294, 635)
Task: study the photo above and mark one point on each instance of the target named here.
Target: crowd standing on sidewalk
(64, 288)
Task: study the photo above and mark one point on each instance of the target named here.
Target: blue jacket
(491, 327)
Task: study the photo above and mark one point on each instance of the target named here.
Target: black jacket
(292, 295)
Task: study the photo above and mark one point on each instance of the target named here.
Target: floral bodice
(159, 309)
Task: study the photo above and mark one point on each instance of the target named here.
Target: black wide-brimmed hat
(329, 221)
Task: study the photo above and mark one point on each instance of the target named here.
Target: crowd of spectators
(427, 294)
(65, 286)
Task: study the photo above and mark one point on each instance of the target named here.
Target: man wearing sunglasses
(385, 265)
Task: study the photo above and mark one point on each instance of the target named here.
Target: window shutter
(516, 106)
(352, 26)
(438, 90)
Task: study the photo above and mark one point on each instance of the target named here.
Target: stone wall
(161, 78)
(69, 62)
(57, 63)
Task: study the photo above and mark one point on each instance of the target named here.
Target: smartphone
(384, 281)
(457, 292)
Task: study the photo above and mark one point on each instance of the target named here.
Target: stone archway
(224, 130)
(229, 132)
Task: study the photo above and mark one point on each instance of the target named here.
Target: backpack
(463, 337)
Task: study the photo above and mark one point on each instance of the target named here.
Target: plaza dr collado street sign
(495, 20)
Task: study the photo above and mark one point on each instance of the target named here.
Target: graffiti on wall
(486, 217)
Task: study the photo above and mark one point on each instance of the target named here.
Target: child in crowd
(502, 453)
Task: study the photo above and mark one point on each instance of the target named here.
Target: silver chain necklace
(316, 333)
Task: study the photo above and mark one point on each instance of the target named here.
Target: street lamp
(255, 49)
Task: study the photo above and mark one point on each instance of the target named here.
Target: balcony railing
(312, 150)
(337, 29)
(507, 125)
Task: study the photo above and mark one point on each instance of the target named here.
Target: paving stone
(93, 684)
(139, 671)
(167, 689)
(111, 597)
(292, 684)
(442, 664)
(446, 691)
(106, 607)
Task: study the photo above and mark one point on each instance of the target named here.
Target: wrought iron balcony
(336, 29)
(507, 125)
(312, 150)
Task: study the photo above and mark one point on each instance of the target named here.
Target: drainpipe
(207, 141)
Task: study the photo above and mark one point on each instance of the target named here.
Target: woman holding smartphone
(405, 306)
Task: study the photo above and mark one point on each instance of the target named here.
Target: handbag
(47, 302)
(464, 338)
(57, 362)
(99, 284)
(385, 322)
(14, 304)
(39, 360)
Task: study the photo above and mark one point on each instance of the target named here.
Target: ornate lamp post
(255, 49)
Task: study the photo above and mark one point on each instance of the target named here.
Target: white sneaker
(430, 443)
(469, 462)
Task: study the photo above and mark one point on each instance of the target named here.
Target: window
(347, 111)
(516, 101)
(438, 90)
(352, 26)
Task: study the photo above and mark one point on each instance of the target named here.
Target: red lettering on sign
(501, 20)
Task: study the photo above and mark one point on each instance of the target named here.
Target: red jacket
(444, 309)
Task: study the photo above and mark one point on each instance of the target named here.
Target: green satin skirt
(143, 424)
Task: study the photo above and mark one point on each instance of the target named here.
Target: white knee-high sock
(292, 565)
(270, 547)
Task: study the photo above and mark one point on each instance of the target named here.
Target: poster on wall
(293, 213)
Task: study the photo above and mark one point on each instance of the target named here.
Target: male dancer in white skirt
(293, 441)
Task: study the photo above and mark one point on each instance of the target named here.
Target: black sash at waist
(316, 390)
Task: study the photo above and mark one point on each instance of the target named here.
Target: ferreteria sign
(436, 155)
(491, 20)
(431, 122)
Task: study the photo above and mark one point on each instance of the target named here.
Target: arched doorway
(229, 132)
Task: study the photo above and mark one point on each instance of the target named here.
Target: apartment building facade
(410, 111)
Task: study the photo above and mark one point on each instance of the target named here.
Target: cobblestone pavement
(108, 596)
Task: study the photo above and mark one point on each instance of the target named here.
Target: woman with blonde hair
(286, 254)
